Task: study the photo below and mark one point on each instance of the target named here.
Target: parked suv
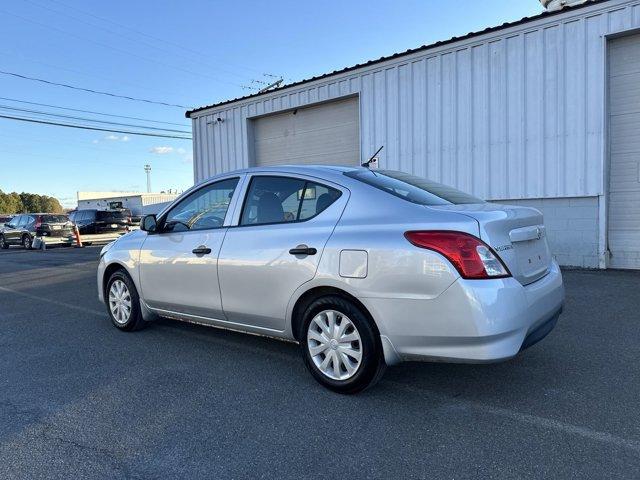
(101, 221)
(21, 229)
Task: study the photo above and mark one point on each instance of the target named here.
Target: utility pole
(147, 169)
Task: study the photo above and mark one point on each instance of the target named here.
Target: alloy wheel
(26, 242)
(334, 345)
(120, 302)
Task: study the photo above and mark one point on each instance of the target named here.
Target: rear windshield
(411, 188)
(54, 218)
(114, 215)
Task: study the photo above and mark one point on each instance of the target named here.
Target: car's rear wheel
(3, 242)
(27, 241)
(340, 346)
(123, 302)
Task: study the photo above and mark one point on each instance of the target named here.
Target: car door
(275, 245)
(80, 222)
(12, 230)
(29, 225)
(179, 263)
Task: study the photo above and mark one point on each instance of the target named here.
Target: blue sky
(189, 53)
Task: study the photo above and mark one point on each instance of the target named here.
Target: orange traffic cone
(77, 235)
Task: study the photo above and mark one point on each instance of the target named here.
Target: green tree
(28, 202)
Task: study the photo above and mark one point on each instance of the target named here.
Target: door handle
(201, 250)
(303, 250)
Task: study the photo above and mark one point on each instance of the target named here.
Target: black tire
(27, 241)
(372, 364)
(3, 243)
(135, 320)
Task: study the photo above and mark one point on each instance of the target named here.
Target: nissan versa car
(363, 268)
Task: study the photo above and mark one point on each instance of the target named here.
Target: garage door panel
(625, 133)
(327, 133)
(623, 57)
(624, 172)
(624, 148)
(625, 93)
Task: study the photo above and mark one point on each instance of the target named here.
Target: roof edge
(410, 51)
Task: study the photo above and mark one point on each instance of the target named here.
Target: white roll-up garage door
(624, 148)
(326, 134)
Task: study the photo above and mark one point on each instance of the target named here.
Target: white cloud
(117, 138)
(161, 150)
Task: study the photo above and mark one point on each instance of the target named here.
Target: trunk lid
(517, 234)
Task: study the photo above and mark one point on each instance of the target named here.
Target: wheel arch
(312, 294)
(110, 270)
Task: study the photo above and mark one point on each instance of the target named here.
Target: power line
(115, 33)
(120, 80)
(91, 111)
(72, 117)
(86, 127)
(120, 50)
(155, 38)
(89, 90)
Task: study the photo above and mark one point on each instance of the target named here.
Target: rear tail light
(473, 258)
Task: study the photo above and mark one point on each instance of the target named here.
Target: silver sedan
(363, 268)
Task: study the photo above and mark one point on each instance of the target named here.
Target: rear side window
(54, 218)
(284, 199)
(412, 188)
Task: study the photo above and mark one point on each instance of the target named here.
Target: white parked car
(364, 268)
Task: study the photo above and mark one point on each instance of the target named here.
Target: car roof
(41, 213)
(299, 169)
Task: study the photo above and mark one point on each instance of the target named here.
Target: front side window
(412, 188)
(284, 199)
(202, 210)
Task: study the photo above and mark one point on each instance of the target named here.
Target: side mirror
(149, 223)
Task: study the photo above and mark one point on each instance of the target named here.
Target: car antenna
(373, 158)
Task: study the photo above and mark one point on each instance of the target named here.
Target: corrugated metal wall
(513, 114)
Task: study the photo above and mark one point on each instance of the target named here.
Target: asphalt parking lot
(79, 399)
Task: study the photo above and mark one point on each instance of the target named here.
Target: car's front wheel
(123, 302)
(3, 242)
(340, 346)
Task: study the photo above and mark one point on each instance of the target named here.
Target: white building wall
(518, 113)
(572, 226)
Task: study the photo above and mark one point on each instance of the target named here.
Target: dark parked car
(101, 221)
(22, 229)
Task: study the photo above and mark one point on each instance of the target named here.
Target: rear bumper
(54, 233)
(473, 321)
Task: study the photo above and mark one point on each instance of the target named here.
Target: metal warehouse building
(542, 112)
